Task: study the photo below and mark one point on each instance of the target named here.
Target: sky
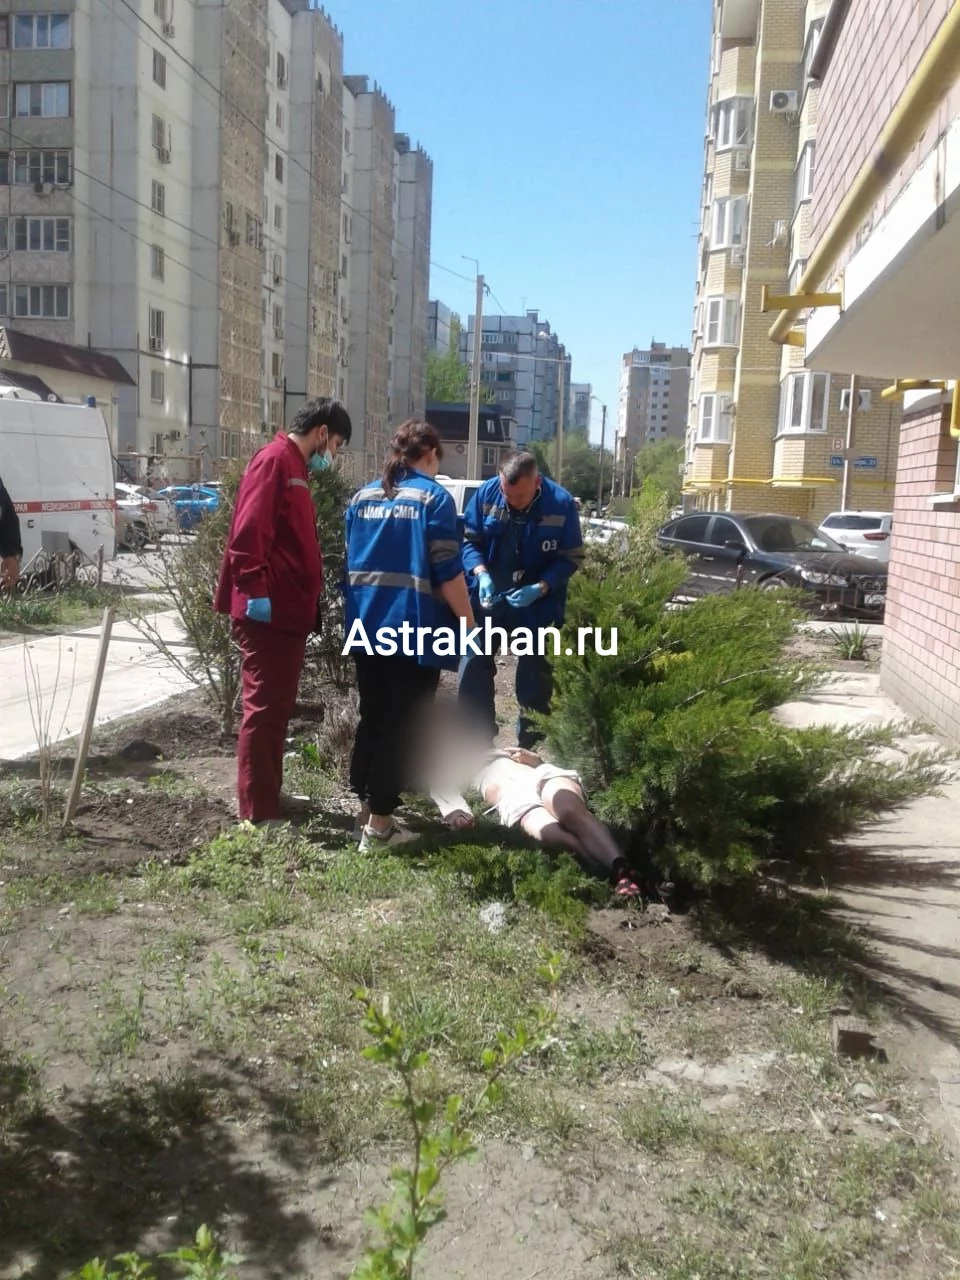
(567, 145)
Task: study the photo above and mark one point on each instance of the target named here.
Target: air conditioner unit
(278, 330)
(174, 435)
(155, 343)
(741, 162)
(278, 381)
(42, 188)
(737, 255)
(167, 29)
(864, 401)
(783, 102)
(277, 278)
(781, 229)
(163, 155)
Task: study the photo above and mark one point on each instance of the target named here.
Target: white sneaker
(370, 838)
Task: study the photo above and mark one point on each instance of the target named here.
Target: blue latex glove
(524, 596)
(487, 590)
(259, 610)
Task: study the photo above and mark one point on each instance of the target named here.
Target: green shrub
(674, 735)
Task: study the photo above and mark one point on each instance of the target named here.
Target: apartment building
(764, 432)
(526, 369)
(652, 406)
(884, 231)
(578, 412)
(439, 325)
(414, 205)
(177, 196)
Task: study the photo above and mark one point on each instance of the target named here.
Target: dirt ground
(180, 1044)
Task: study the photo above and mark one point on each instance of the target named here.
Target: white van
(460, 490)
(56, 464)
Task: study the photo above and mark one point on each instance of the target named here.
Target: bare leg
(541, 825)
(563, 798)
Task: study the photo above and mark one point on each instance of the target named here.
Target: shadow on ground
(153, 1161)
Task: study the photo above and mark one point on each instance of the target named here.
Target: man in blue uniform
(522, 544)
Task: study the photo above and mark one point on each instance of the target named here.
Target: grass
(203, 1000)
(47, 612)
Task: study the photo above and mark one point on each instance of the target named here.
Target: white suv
(865, 533)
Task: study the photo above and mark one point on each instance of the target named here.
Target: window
(734, 123)
(489, 457)
(30, 167)
(714, 419)
(158, 198)
(346, 141)
(4, 32)
(278, 167)
(159, 69)
(155, 329)
(346, 227)
(277, 320)
(227, 215)
(729, 219)
(276, 412)
(810, 51)
(41, 235)
(804, 402)
(343, 266)
(724, 531)
(254, 235)
(723, 322)
(281, 71)
(278, 116)
(49, 100)
(157, 261)
(690, 529)
(156, 386)
(276, 366)
(158, 133)
(277, 268)
(41, 31)
(278, 216)
(804, 183)
(42, 301)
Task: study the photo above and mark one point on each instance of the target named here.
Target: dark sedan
(726, 551)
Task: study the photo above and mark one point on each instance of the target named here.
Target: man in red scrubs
(270, 585)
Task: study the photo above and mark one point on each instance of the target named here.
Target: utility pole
(561, 388)
(473, 432)
(848, 447)
(603, 441)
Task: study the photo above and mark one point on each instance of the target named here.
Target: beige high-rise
(764, 433)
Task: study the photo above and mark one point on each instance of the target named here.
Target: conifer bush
(675, 735)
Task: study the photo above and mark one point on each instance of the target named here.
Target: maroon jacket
(272, 546)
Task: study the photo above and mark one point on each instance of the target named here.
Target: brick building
(885, 234)
(764, 432)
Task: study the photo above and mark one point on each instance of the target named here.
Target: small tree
(448, 377)
(674, 733)
(188, 574)
(659, 464)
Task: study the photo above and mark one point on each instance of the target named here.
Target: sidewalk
(901, 884)
(61, 668)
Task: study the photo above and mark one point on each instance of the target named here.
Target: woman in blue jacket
(403, 567)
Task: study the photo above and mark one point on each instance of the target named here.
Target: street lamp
(603, 438)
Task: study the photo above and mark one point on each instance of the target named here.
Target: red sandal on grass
(627, 888)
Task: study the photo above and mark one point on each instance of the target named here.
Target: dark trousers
(534, 686)
(394, 693)
(270, 678)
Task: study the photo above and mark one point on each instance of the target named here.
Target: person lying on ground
(546, 802)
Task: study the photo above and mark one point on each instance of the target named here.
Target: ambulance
(57, 466)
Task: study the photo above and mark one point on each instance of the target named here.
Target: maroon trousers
(272, 662)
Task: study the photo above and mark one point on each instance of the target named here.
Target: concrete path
(901, 885)
(53, 673)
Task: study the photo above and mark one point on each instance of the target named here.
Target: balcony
(738, 19)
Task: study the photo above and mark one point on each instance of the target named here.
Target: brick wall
(921, 648)
(877, 51)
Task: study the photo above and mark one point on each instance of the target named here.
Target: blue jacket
(549, 548)
(400, 550)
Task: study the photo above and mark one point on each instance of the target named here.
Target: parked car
(156, 512)
(461, 491)
(133, 533)
(191, 502)
(866, 533)
(728, 550)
